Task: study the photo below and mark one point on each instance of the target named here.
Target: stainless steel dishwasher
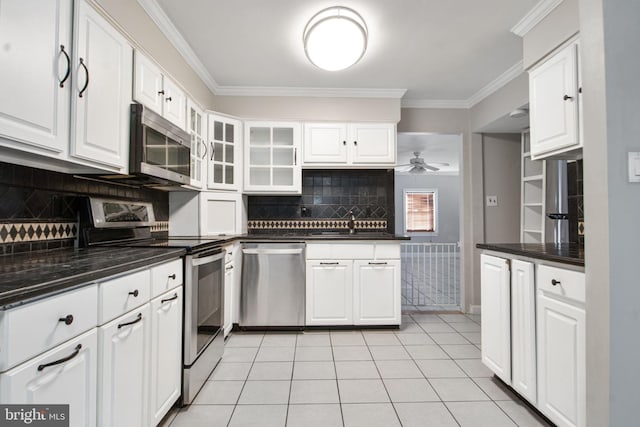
(273, 285)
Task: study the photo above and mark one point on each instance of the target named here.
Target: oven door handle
(272, 251)
(206, 260)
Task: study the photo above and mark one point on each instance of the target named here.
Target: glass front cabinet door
(274, 161)
(223, 157)
(197, 127)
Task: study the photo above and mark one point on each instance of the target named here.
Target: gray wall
(501, 166)
(610, 69)
(513, 95)
(448, 187)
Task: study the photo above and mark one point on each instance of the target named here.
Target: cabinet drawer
(387, 251)
(125, 293)
(166, 276)
(340, 251)
(35, 328)
(568, 284)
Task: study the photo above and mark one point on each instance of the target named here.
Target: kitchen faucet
(351, 224)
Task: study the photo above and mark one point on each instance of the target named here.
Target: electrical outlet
(492, 200)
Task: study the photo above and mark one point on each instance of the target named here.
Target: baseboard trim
(474, 309)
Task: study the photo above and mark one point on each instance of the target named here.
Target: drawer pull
(133, 322)
(64, 359)
(555, 282)
(329, 263)
(230, 254)
(229, 268)
(68, 319)
(175, 296)
(134, 293)
(172, 276)
(378, 263)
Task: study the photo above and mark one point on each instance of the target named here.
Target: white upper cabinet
(101, 91)
(555, 98)
(349, 144)
(197, 127)
(224, 153)
(272, 162)
(36, 70)
(158, 92)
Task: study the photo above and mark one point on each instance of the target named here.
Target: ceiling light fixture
(335, 38)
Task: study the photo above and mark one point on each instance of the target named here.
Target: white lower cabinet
(123, 369)
(166, 354)
(65, 374)
(561, 321)
(229, 281)
(523, 329)
(329, 292)
(496, 315)
(376, 293)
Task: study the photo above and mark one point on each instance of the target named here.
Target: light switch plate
(634, 167)
(492, 200)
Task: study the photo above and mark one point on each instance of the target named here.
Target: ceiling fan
(418, 165)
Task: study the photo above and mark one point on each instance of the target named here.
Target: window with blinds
(420, 211)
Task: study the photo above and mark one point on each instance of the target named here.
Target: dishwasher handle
(272, 251)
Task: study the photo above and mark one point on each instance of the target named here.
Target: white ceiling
(438, 50)
(433, 147)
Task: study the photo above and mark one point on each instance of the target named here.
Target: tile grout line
(293, 367)
(335, 370)
(253, 361)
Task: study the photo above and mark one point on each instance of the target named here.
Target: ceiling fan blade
(406, 164)
(431, 168)
(438, 163)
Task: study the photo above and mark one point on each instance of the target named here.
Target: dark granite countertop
(36, 274)
(568, 253)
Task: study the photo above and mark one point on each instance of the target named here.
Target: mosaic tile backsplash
(328, 195)
(575, 193)
(38, 207)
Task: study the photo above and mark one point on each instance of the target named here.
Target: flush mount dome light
(335, 38)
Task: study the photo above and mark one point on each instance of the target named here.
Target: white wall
(448, 187)
(501, 168)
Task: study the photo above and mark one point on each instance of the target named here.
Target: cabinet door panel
(496, 316)
(325, 143)
(147, 85)
(32, 68)
(123, 369)
(554, 98)
(72, 382)
(166, 353)
(372, 143)
(229, 279)
(329, 292)
(523, 329)
(101, 115)
(561, 361)
(175, 103)
(376, 293)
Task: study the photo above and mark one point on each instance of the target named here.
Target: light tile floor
(428, 373)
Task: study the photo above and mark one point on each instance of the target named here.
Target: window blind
(420, 211)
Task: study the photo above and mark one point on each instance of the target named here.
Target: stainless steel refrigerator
(556, 203)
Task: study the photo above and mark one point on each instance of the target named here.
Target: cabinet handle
(161, 92)
(64, 359)
(175, 296)
(329, 263)
(295, 156)
(168, 99)
(204, 153)
(555, 282)
(229, 268)
(66, 75)
(567, 97)
(134, 293)
(378, 263)
(172, 276)
(230, 253)
(213, 150)
(68, 319)
(344, 142)
(133, 322)
(86, 83)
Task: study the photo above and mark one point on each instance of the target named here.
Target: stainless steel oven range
(126, 223)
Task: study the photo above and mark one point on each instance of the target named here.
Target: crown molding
(534, 16)
(512, 72)
(163, 22)
(435, 103)
(310, 91)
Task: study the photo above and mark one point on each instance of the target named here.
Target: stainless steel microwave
(158, 148)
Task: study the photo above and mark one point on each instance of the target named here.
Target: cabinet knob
(161, 92)
(567, 97)
(355, 142)
(344, 142)
(168, 99)
(172, 276)
(68, 319)
(134, 293)
(555, 282)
